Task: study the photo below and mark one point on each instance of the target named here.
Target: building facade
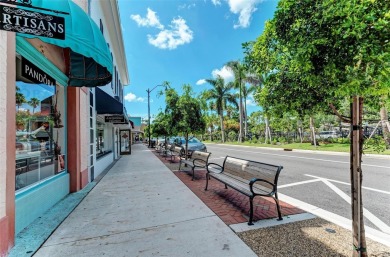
(57, 132)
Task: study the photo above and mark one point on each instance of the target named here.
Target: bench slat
(250, 178)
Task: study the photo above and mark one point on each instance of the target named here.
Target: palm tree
(220, 93)
(34, 102)
(255, 83)
(239, 77)
(20, 99)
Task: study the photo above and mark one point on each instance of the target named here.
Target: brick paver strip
(229, 205)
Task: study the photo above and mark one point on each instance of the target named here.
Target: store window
(40, 132)
(103, 139)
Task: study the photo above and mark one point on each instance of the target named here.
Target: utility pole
(150, 90)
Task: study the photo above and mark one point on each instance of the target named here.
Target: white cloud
(250, 101)
(225, 73)
(186, 6)
(151, 20)
(179, 34)
(245, 9)
(201, 82)
(130, 97)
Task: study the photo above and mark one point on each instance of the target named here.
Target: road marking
(372, 233)
(306, 158)
(371, 217)
(300, 183)
(344, 183)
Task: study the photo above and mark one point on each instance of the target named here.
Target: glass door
(125, 145)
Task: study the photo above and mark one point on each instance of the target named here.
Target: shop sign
(31, 22)
(114, 119)
(35, 74)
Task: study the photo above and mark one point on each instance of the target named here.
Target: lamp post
(150, 90)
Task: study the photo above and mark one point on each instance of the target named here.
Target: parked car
(329, 134)
(194, 144)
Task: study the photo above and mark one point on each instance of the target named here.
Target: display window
(40, 131)
(104, 144)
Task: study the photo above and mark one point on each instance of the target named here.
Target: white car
(329, 134)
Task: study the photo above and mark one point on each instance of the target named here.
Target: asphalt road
(323, 179)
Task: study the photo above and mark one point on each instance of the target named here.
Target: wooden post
(358, 232)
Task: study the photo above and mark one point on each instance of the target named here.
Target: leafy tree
(34, 102)
(161, 126)
(185, 112)
(317, 52)
(220, 93)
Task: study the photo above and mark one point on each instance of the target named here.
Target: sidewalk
(140, 208)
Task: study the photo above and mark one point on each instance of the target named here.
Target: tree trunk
(300, 130)
(240, 134)
(186, 150)
(267, 131)
(245, 120)
(222, 128)
(385, 124)
(358, 231)
(312, 132)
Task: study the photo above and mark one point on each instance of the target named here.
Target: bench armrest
(254, 180)
(217, 166)
(199, 160)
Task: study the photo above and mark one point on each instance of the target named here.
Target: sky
(185, 42)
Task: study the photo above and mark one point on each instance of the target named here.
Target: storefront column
(74, 139)
(7, 141)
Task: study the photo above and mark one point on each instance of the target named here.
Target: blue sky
(185, 42)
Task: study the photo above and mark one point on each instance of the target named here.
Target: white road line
(307, 158)
(344, 183)
(374, 234)
(371, 217)
(300, 183)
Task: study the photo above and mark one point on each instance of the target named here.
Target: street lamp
(150, 90)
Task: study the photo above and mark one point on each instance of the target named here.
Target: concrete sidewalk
(140, 208)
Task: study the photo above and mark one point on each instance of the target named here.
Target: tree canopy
(317, 52)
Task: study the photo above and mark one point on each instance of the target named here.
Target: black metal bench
(250, 178)
(197, 160)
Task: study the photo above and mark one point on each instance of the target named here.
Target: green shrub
(376, 143)
(282, 140)
(232, 136)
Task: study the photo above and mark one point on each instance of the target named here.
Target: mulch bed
(228, 204)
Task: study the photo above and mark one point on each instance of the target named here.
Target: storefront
(49, 149)
(112, 130)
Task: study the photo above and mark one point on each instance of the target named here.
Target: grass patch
(331, 147)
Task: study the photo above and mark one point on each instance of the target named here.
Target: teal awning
(90, 60)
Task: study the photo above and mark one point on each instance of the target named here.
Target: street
(321, 182)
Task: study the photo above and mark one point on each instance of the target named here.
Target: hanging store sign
(35, 74)
(114, 119)
(31, 22)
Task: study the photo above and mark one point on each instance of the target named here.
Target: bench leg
(226, 186)
(193, 173)
(207, 181)
(250, 223)
(278, 206)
